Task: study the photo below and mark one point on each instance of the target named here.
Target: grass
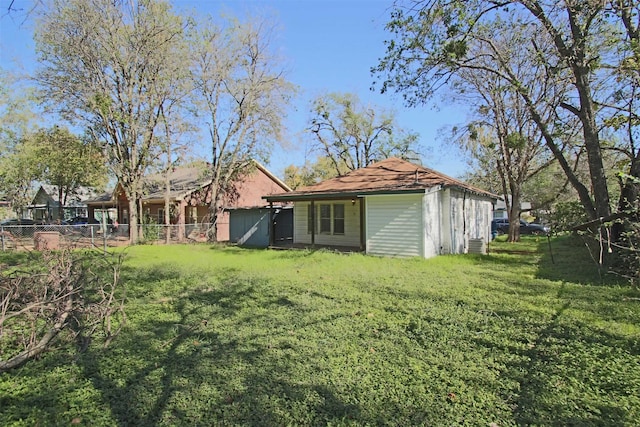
(227, 336)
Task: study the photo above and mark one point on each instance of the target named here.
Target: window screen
(325, 218)
(338, 219)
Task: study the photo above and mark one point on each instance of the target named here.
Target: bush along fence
(614, 244)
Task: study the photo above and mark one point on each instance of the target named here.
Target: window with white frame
(338, 219)
(325, 219)
(330, 219)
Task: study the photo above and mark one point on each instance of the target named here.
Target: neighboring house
(500, 209)
(190, 196)
(45, 205)
(392, 208)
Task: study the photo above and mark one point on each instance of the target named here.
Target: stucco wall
(470, 218)
(432, 226)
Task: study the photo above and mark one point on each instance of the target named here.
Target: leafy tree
(352, 135)
(573, 40)
(240, 93)
(17, 117)
(66, 161)
(311, 173)
(624, 104)
(113, 65)
(502, 132)
(18, 172)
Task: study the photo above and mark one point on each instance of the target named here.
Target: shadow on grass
(568, 259)
(211, 361)
(506, 260)
(568, 371)
(562, 356)
(13, 258)
(563, 258)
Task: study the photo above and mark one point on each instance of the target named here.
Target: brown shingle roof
(183, 181)
(390, 175)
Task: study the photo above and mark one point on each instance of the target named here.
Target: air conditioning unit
(477, 246)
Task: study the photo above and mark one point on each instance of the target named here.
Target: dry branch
(74, 291)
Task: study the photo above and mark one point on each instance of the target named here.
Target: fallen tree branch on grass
(76, 292)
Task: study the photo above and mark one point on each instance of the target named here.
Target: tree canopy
(353, 135)
(587, 50)
(113, 65)
(66, 161)
(17, 117)
(240, 93)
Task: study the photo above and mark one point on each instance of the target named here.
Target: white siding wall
(445, 220)
(423, 225)
(351, 236)
(474, 222)
(394, 225)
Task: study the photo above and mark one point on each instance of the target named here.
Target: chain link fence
(54, 236)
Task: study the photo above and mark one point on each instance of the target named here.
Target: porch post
(363, 233)
(313, 222)
(271, 226)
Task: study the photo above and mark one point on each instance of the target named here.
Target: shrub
(566, 215)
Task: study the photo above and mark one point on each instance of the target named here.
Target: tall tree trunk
(167, 198)
(61, 204)
(133, 218)
(592, 145)
(214, 210)
(514, 216)
(630, 192)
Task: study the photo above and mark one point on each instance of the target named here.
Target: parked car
(84, 225)
(20, 226)
(501, 226)
(81, 220)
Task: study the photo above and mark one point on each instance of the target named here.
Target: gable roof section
(388, 176)
(183, 181)
(48, 195)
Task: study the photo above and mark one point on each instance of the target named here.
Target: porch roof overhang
(102, 203)
(336, 195)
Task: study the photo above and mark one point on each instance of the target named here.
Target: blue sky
(329, 46)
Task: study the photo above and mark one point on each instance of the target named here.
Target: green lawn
(227, 336)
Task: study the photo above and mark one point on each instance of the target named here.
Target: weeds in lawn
(248, 337)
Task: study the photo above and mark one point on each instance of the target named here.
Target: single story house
(500, 209)
(190, 195)
(392, 208)
(45, 205)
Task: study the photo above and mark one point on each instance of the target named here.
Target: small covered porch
(323, 221)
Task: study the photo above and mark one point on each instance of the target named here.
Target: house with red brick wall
(190, 196)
